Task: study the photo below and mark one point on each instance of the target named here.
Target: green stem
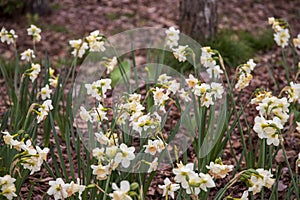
(287, 70)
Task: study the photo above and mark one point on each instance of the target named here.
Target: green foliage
(11, 7)
(117, 76)
(32, 18)
(237, 47)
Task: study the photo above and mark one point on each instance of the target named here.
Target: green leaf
(116, 75)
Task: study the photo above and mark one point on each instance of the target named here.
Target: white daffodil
(245, 195)
(111, 151)
(163, 79)
(296, 41)
(97, 46)
(294, 92)
(3, 34)
(46, 92)
(256, 184)
(217, 90)
(282, 37)
(36, 69)
(207, 100)
(72, 188)
(274, 107)
(101, 138)
(79, 47)
(145, 122)
(96, 42)
(28, 148)
(57, 189)
(35, 161)
(214, 71)
(180, 53)
(44, 110)
(268, 129)
(27, 55)
(194, 183)
(182, 173)
(219, 170)
(99, 113)
(201, 89)
(33, 29)
(7, 186)
(85, 115)
(160, 96)
(243, 81)
(268, 181)
(99, 153)
(172, 37)
(111, 64)
(35, 32)
(206, 181)
(173, 86)
(8, 37)
(184, 95)
(153, 165)
(192, 81)
(169, 188)
(122, 192)
(100, 171)
(151, 147)
(125, 156)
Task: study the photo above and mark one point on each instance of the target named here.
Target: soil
(73, 19)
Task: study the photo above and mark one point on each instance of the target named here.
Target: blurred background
(219, 23)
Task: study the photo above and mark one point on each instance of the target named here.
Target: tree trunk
(198, 18)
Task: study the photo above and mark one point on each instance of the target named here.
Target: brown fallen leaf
(280, 156)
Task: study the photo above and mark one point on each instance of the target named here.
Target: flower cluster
(94, 42)
(53, 79)
(34, 71)
(207, 93)
(293, 92)
(130, 110)
(191, 181)
(218, 170)
(95, 114)
(244, 74)
(273, 113)
(169, 188)
(172, 37)
(8, 187)
(8, 36)
(281, 35)
(208, 60)
(110, 64)
(61, 190)
(98, 88)
(31, 158)
(43, 110)
(35, 33)
(262, 178)
(110, 155)
(179, 51)
(154, 146)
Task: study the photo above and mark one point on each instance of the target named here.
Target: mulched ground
(74, 19)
